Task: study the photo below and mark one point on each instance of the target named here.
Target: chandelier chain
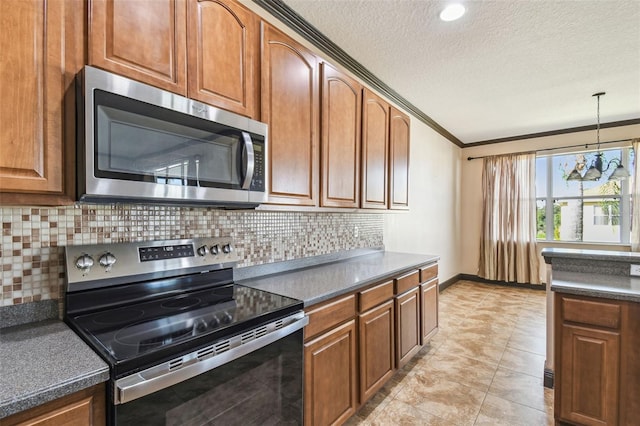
(598, 126)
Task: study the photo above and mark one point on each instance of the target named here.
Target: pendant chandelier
(596, 169)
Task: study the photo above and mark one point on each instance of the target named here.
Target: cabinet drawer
(589, 312)
(329, 315)
(407, 282)
(428, 273)
(375, 295)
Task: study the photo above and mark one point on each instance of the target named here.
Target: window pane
(593, 220)
(564, 164)
(541, 176)
(541, 217)
(632, 162)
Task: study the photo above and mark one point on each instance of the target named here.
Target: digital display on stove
(165, 252)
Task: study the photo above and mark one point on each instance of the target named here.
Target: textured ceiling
(506, 68)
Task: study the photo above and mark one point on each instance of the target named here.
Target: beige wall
(471, 203)
(432, 225)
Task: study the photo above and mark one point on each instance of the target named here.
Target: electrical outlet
(635, 270)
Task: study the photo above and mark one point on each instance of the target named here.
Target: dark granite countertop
(43, 361)
(597, 285)
(322, 282)
(595, 273)
(604, 255)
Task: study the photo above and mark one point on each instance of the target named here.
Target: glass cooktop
(134, 330)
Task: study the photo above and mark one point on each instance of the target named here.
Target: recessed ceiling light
(452, 12)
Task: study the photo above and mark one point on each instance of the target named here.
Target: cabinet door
(290, 100)
(143, 39)
(375, 149)
(428, 310)
(41, 49)
(376, 349)
(330, 376)
(408, 326)
(83, 408)
(399, 160)
(223, 42)
(589, 376)
(340, 148)
(630, 364)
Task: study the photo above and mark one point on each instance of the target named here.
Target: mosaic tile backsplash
(32, 237)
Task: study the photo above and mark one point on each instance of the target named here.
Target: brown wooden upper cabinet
(144, 40)
(399, 160)
(340, 145)
(375, 151)
(204, 49)
(41, 52)
(290, 100)
(223, 47)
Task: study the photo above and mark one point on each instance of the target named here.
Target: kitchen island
(594, 316)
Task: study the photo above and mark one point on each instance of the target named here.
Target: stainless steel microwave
(138, 143)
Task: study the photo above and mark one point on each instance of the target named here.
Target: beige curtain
(635, 198)
(508, 249)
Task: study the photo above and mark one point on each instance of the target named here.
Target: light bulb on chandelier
(597, 165)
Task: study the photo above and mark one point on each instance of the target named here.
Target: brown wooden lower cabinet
(330, 376)
(376, 348)
(356, 342)
(83, 408)
(429, 310)
(590, 375)
(407, 326)
(597, 376)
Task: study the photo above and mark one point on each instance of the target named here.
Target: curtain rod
(586, 145)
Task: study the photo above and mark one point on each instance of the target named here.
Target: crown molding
(554, 132)
(310, 33)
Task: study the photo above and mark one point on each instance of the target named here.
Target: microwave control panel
(258, 181)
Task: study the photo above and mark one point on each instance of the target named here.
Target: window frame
(624, 197)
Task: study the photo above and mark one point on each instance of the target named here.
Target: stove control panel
(165, 252)
(89, 266)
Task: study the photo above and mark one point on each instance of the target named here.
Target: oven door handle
(162, 376)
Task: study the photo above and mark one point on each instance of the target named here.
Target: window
(591, 211)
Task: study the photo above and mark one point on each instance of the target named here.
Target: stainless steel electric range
(185, 345)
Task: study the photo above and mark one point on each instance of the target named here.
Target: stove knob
(215, 249)
(214, 322)
(226, 318)
(107, 260)
(227, 248)
(202, 251)
(201, 325)
(84, 262)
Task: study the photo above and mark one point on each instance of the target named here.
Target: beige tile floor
(484, 367)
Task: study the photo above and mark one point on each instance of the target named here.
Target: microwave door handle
(248, 159)
(196, 160)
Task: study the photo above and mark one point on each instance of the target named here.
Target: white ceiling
(506, 68)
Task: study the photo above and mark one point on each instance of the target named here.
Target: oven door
(255, 382)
